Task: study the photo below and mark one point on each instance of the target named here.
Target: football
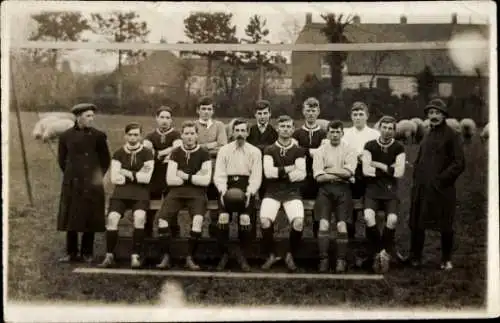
(234, 200)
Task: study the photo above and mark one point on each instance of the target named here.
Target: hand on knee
(113, 220)
(265, 223)
(245, 220)
(341, 227)
(370, 218)
(298, 224)
(223, 218)
(392, 221)
(324, 227)
(197, 223)
(139, 219)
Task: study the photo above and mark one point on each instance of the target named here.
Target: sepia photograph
(191, 161)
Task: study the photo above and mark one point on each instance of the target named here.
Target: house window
(325, 69)
(445, 89)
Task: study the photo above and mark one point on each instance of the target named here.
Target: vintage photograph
(264, 158)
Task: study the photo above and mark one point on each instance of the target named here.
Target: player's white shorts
(293, 209)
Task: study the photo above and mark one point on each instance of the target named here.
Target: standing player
(310, 136)
(357, 136)
(238, 165)
(162, 141)
(383, 164)
(262, 134)
(131, 170)
(188, 174)
(333, 165)
(285, 169)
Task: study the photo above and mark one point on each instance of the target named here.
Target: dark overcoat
(439, 162)
(84, 159)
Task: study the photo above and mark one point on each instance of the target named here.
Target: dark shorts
(240, 182)
(387, 205)
(173, 203)
(122, 205)
(358, 188)
(334, 197)
(310, 188)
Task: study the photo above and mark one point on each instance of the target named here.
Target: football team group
(277, 167)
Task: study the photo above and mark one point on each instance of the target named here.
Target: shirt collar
(283, 147)
(206, 123)
(190, 150)
(129, 149)
(262, 127)
(164, 133)
(313, 129)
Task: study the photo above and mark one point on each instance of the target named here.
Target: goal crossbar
(344, 47)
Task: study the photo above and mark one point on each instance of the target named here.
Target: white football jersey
(358, 138)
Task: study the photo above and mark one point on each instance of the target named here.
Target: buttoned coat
(439, 163)
(84, 159)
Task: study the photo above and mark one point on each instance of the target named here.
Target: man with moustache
(439, 163)
(238, 165)
(162, 141)
(84, 158)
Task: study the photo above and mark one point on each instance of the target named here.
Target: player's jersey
(132, 160)
(282, 157)
(383, 186)
(262, 139)
(309, 138)
(190, 162)
(160, 141)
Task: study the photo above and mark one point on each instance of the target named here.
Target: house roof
(409, 62)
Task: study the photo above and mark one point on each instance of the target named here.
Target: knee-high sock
(194, 238)
(446, 245)
(268, 240)
(373, 236)
(137, 241)
(111, 240)
(342, 241)
(388, 239)
(294, 240)
(148, 226)
(165, 238)
(245, 235)
(222, 237)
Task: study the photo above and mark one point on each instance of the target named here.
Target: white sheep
(40, 126)
(454, 124)
(60, 115)
(405, 130)
(55, 127)
(420, 132)
(485, 134)
(468, 128)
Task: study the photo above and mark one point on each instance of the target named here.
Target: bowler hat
(83, 107)
(437, 104)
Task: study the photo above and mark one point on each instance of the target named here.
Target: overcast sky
(165, 19)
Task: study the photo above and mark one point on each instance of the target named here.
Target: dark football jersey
(262, 139)
(190, 162)
(160, 141)
(132, 161)
(309, 138)
(383, 186)
(282, 157)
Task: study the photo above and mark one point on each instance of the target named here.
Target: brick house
(395, 70)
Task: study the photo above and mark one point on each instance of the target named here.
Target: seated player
(162, 141)
(383, 164)
(188, 174)
(285, 169)
(262, 134)
(238, 165)
(310, 136)
(333, 165)
(131, 169)
(357, 136)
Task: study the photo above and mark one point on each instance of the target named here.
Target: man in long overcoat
(84, 158)
(439, 162)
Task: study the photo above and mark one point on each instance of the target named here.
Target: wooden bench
(207, 249)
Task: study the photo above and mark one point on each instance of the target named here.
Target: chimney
(309, 18)
(454, 18)
(403, 19)
(356, 20)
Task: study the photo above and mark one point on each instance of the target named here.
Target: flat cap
(82, 107)
(437, 104)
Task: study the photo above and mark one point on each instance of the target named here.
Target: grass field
(34, 246)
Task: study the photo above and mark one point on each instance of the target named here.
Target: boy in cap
(439, 162)
(84, 158)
